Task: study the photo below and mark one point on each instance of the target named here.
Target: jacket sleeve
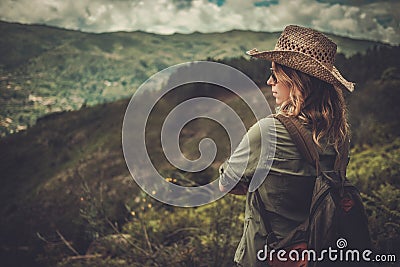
(250, 155)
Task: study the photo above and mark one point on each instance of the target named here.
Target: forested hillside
(45, 69)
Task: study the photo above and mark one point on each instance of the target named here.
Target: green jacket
(286, 189)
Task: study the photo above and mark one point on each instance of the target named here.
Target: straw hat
(308, 51)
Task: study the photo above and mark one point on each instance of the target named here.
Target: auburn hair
(318, 103)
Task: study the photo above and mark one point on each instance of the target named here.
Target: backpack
(337, 216)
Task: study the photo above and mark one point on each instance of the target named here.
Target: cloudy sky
(366, 19)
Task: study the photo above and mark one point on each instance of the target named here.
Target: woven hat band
(309, 42)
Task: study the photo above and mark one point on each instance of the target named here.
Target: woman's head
(308, 51)
(314, 101)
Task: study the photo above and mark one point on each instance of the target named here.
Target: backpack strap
(306, 146)
(302, 139)
(271, 237)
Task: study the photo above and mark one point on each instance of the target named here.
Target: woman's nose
(270, 81)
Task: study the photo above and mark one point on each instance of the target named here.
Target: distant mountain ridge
(47, 69)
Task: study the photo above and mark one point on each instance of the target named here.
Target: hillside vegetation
(45, 69)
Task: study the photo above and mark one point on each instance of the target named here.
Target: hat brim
(302, 62)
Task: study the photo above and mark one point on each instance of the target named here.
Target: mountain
(46, 69)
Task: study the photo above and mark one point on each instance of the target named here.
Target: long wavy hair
(318, 103)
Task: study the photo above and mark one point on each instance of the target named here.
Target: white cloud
(164, 17)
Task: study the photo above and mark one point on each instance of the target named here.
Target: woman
(307, 86)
